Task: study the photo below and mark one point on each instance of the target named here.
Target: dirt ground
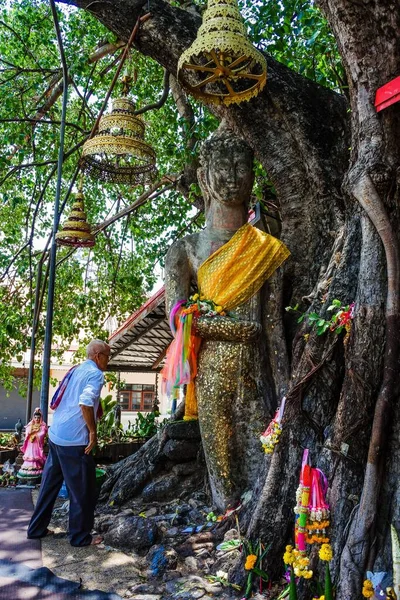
(96, 567)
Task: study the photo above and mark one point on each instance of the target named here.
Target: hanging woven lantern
(222, 66)
(118, 152)
(76, 230)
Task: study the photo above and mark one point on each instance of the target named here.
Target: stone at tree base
(184, 430)
(197, 594)
(160, 559)
(231, 534)
(183, 509)
(160, 489)
(104, 522)
(147, 588)
(196, 516)
(151, 512)
(132, 533)
(195, 543)
(168, 487)
(191, 564)
(147, 597)
(190, 587)
(188, 468)
(226, 561)
(181, 450)
(171, 575)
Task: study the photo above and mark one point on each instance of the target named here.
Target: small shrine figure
(18, 430)
(117, 416)
(34, 457)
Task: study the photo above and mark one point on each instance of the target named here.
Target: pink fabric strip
(281, 410)
(173, 313)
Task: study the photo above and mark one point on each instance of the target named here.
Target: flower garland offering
(326, 555)
(253, 566)
(368, 589)
(302, 504)
(204, 307)
(181, 365)
(316, 513)
(271, 435)
(318, 519)
(298, 562)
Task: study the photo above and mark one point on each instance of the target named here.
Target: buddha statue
(231, 384)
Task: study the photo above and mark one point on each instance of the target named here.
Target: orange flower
(192, 309)
(250, 562)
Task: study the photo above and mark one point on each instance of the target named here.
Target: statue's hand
(227, 329)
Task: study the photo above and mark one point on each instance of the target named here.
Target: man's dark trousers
(69, 463)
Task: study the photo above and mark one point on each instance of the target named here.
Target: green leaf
(328, 583)
(313, 317)
(261, 573)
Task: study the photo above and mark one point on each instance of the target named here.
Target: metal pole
(44, 394)
(33, 343)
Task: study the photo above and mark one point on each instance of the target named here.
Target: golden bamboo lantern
(76, 230)
(118, 152)
(222, 66)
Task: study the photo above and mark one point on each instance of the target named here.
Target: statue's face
(230, 177)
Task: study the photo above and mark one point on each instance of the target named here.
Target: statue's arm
(177, 275)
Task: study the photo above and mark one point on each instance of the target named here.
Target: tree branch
(46, 122)
(105, 50)
(161, 101)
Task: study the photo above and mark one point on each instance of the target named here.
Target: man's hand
(92, 442)
(88, 415)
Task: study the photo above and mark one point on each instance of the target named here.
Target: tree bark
(371, 58)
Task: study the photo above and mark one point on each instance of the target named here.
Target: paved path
(22, 575)
(15, 512)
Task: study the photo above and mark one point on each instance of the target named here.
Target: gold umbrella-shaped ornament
(118, 152)
(76, 230)
(222, 66)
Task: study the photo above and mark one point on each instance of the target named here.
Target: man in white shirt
(72, 437)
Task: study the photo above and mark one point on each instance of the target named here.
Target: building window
(137, 397)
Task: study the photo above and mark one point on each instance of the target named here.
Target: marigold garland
(289, 557)
(250, 562)
(270, 437)
(368, 589)
(325, 552)
(299, 562)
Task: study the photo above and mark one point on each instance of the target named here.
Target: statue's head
(37, 415)
(226, 168)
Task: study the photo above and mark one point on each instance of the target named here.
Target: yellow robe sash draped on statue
(233, 274)
(237, 270)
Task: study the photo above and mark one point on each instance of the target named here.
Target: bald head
(96, 347)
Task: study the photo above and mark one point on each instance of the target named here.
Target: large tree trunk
(371, 57)
(340, 212)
